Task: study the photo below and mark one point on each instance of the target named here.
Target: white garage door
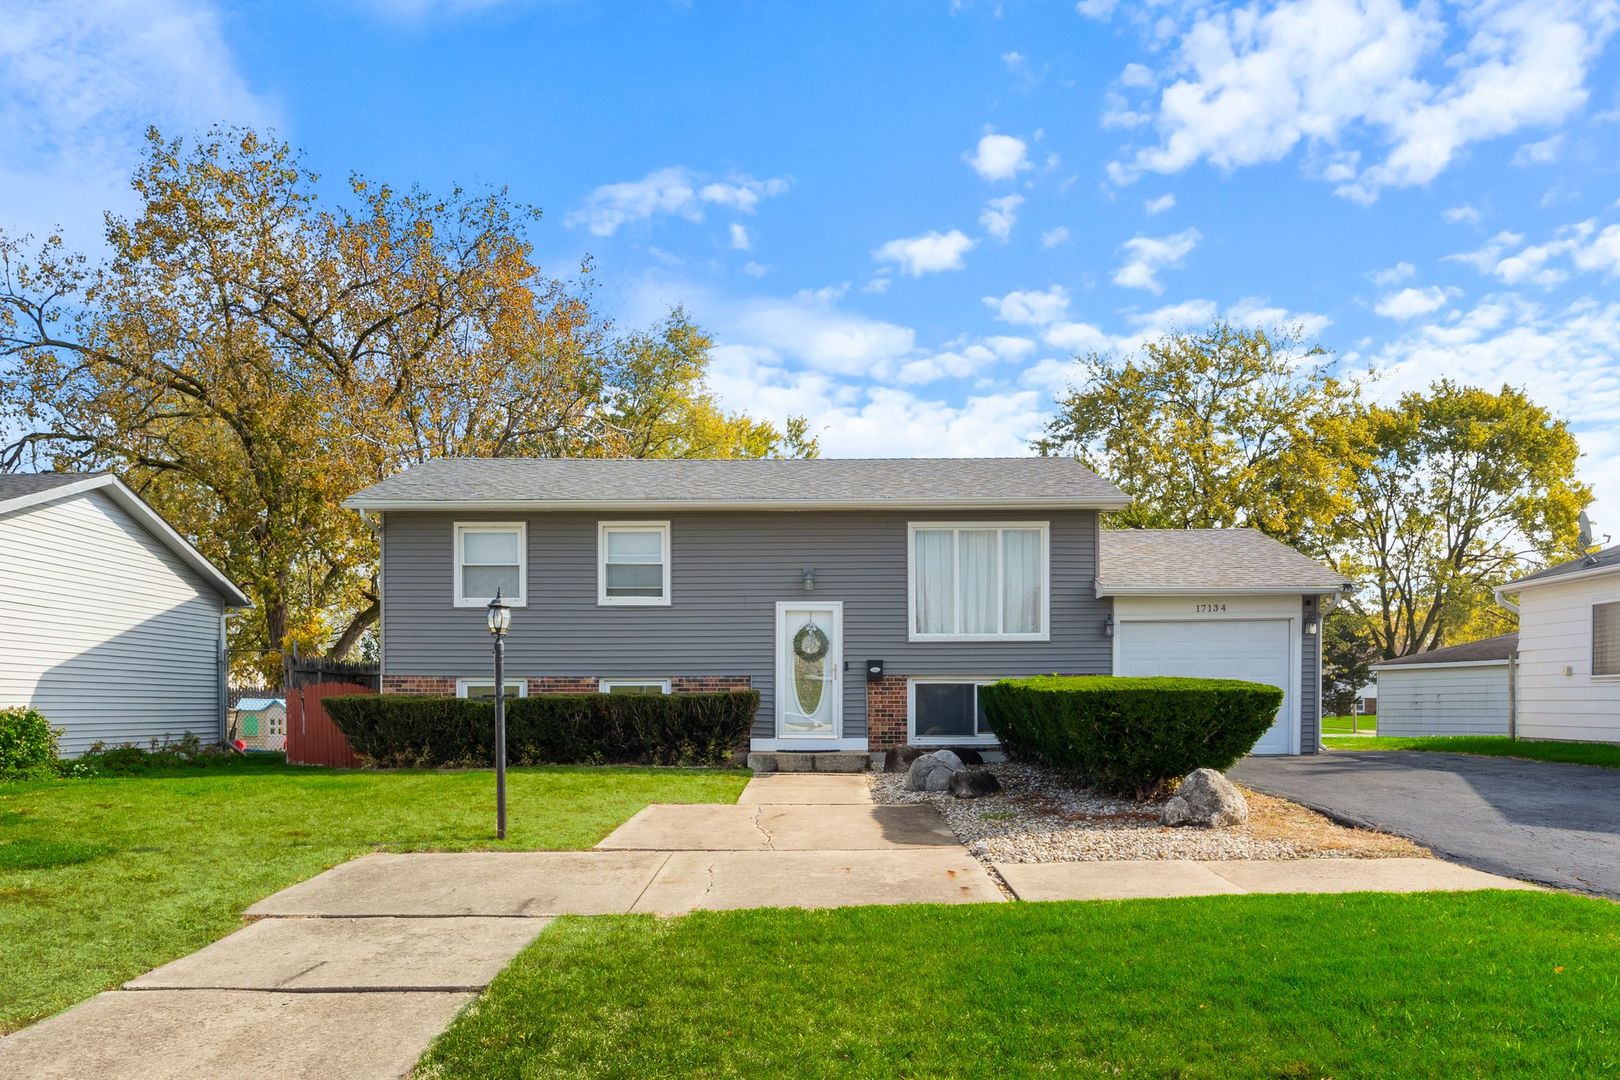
(1257, 651)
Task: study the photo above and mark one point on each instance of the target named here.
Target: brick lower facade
(445, 685)
(886, 725)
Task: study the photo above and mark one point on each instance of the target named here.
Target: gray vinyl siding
(1310, 681)
(728, 572)
(104, 629)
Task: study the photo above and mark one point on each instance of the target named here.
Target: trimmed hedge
(395, 730)
(1131, 736)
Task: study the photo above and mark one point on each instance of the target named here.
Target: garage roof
(1146, 562)
(713, 484)
(1485, 650)
(1601, 562)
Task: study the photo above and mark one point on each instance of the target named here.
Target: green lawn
(1441, 984)
(1489, 746)
(1340, 725)
(103, 879)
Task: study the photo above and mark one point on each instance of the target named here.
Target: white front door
(1256, 650)
(809, 670)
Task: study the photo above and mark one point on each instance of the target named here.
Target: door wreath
(811, 643)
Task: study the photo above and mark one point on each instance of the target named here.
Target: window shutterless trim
(1045, 530)
(606, 685)
(946, 740)
(463, 685)
(602, 530)
(1610, 609)
(456, 565)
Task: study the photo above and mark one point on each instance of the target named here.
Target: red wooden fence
(312, 738)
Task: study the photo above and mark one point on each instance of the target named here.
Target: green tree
(245, 358)
(1216, 428)
(1348, 654)
(1458, 489)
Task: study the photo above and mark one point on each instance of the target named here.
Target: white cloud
(1137, 76)
(809, 329)
(82, 81)
(1411, 302)
(1393, 275)
(1179, 316)
(929, 253)
(739, 237)
(1254, 84)
(1030, 308)
(1053, 237)
(1579, 246)
(1145, 256)
(1461, 215)
(1257, 312)
(1000, 215)
(676, 191)
(1000, 157)
(1543, 152)
(755, 269)
(1076, 337)
(1567, 357)
(1100, 10)
(1008, 347)
(1160, 205)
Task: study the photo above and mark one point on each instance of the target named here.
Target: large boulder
(971, 783)
(933, 772)
(899, 758)
(1205, 797)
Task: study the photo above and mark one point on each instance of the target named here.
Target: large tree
(1458, 490)
(245, 357)
(1220, 427)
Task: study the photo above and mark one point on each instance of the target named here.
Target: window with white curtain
(633, 562)
(979, 581)
(489, 557)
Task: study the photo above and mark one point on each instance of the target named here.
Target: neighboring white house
(111, 624)
(1569, 649)
(1457, 690)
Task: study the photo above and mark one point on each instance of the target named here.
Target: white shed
(1457, 690)
(111, 623)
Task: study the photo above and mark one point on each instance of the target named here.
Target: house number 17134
(1209, 609)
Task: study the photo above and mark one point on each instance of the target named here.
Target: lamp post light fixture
(500, 620)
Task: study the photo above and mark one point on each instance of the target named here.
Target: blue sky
(902, 219)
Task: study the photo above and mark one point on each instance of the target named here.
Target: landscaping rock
(933, 772)
(900, 758)
(969, 756)
(1205, 797)
(972, 783)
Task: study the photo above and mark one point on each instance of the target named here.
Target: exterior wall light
(809, 581)
(1108, 626)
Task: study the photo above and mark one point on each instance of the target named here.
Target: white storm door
(809, 670)
(1257, 651)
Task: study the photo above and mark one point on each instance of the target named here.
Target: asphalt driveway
(1539, 821)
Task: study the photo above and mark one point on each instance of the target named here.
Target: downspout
(1513, 672)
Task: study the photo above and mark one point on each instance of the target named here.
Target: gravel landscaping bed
(1041, 816)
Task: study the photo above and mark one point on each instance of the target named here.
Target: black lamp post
(500, 619)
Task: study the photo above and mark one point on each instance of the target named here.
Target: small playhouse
(260, 723)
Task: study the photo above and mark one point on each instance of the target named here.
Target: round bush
(1131, 736)
(27, 740)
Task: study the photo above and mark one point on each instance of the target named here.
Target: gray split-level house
(866, 600)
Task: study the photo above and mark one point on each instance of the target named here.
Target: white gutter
(1440, 664)
(1501, 598)
(1184, 590)
(1558, 579)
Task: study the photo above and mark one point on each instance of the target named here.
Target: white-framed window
(491, 555)
(978, 581)
(484, 689)
(632, 563)
(946, 709)
(1606, 638)
(633, 686)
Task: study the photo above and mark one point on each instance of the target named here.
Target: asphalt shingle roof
(557, 483)
(1608, 558)
(1492, 648)
(16, 485)
(1137, 560)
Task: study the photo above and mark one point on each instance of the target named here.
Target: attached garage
(1222, 603)
(1457, 690)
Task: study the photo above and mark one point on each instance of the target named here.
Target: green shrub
(1130, 735)
(28, 743)
(547, 729)
(127, 759)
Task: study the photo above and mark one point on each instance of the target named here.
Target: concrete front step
(814, 761)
